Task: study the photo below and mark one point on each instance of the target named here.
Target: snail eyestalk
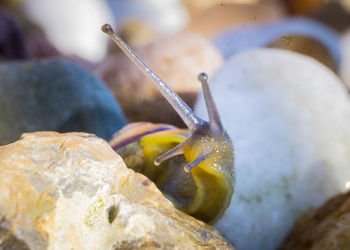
(185, 112)
(196, 162)
(178, 150)
(214, 117)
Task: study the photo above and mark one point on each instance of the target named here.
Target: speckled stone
(72, 191)
(54, 95)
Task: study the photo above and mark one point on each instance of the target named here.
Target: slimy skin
(193, 168)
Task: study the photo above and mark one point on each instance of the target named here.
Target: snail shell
(196, 192)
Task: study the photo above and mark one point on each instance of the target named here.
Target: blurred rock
(163, 18)
(327, 228)
(345, 65)
(72, 191)
(220, 17)
(296, 34)
(288, 118)
(195, 6)
(54, 95)
(136, 33)
(334, 15)
(303, 7)
(345, 4)
(74, 30)
(177, 60)
(20, 38)
(12, 45)
(10, 4)
(310, 47)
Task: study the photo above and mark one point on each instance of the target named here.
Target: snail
(192, 167)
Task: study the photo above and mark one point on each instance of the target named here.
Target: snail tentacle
(206, 189)
(191, 120)
(214, 117)
(196, 162)
(178, 150)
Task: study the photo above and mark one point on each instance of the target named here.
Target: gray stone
(54, 95)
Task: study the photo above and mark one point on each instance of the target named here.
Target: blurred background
(178, 38)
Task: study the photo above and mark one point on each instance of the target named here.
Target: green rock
(54, 95)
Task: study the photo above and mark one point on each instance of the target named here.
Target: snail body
(193, 167)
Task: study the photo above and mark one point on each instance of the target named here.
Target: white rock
(288, 117)
(345, 64)
(73, 26)
(166, 17)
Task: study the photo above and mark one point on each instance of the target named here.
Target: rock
(223, 15)
(327, 228)
(177, 60)
(344, 71)
(310, 47)
(75, 30)
(12, 45)
(303, 7)
(72, 191)
(164, 18)
(54, 95)
(334, 14)
(288, 118)
(296, 34)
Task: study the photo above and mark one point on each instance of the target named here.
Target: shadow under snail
(192, 167)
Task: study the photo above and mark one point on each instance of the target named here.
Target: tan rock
(307, 46)
(72, 191)
(199, 5)
(326, 228)
(222, 16)
(177, 60)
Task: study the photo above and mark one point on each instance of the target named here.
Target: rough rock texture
(177, 60)
(327, 228)
(72, 191)
(288, 117)
(54, 95)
